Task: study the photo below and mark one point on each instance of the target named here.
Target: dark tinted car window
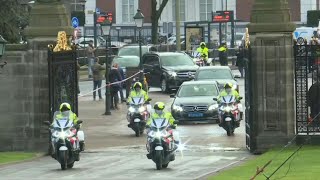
(198, 90)
(132, 51)
(126, 61)
(151, 60)
(176, 60)
(214, 74)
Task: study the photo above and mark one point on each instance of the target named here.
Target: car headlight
(177, 108)
(172, 74)
(131, 109)
(141, 109)
(213, 107)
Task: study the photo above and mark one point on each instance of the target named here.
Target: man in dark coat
(114, 76)
(314, 95)
(240, 60)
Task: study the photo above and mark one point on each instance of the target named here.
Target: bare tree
(155, 16)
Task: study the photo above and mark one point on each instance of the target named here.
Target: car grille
(186, 74)
(195, 108)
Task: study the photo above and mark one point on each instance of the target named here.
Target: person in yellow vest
(137, 92)
(204, 52)
(223, 55)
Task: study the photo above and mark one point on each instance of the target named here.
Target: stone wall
(24, 98)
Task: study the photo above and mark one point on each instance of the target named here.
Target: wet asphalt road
(113, 152)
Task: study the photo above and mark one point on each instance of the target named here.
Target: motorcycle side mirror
(46, 123)
(173, 127)
(149, 99)
(79, 121)
(172, 95)
(215, 99)
(240, 98)
(175, 122)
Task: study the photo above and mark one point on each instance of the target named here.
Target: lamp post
(106, 27)
(83, 3)
(138, 19)
(3, 43)
(118, 31)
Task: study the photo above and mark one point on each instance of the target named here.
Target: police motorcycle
(198, 59)
(229, 113)
(160, 142)
(138, 114)
(65, 138)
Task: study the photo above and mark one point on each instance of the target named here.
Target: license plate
(195, 115)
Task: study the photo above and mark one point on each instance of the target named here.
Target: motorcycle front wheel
(137, 129)
(158, 160)
(63, 159)
(228, 128)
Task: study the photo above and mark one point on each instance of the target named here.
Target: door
(151, 67)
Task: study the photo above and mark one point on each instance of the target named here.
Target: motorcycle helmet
(228, 85)
(65, 107)
(202, 44)
(159, 106)
(137, 85)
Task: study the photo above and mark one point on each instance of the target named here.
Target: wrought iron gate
(250, 141)
(307, 73)
(63, 80)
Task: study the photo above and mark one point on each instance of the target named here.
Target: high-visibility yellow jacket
(59, 116)
(166, 115)
(134, 94)
(204, 51)
(232, 93)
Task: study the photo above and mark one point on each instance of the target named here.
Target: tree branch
(162, 6)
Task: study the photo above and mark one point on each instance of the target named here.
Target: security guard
(223, 56)
(204, 51)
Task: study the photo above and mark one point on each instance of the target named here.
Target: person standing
(91, 57)
(121, 84)
(114, 77)
(97, 78)
(223, 55)
(240, 60)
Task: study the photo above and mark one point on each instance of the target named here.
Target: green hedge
(313, 18)
(80, 15)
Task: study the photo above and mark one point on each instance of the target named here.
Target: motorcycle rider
(228, 91)
(65, 112)
(159, 112)
(137, 91)
(204, 51)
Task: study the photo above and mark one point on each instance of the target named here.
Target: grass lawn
(9, 157)
(304, 166)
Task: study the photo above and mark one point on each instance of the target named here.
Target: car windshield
(127, 61)
(198, 90)
(132, 51)
(176, 60)
(214, 74)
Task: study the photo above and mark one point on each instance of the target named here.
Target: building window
(127, 11)
(205, 10)
(182, 10)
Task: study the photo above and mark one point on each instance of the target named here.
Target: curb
(38, 156)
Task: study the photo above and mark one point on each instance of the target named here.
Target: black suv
(168, 70)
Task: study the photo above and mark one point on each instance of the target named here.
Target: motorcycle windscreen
(64, 122)
(196, 54)
(160, 123)
(228, 99)
(137, 100)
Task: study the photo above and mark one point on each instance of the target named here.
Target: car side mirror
(215, 99)
(47, 123)
(237, 76)
(79, 121)
(172, 95)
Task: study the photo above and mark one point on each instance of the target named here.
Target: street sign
(97, 10)
(75, 22)
(222, 16)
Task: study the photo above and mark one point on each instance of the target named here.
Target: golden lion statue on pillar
(62, 42)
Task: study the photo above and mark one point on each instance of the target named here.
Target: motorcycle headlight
(131, 109)
(141, 109)
(177, 108)
(172, 74)
(158, 134)
(213, 107)
(228, 109)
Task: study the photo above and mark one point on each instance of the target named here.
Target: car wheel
(164, 86)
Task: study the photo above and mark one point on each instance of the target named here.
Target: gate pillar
(272, 74)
